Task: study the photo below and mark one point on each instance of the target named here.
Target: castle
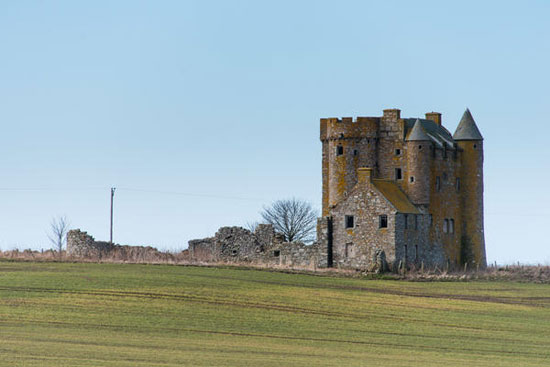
(395, 191)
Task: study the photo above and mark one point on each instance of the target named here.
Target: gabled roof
(417, 133)
(467, 128)
(395, 196)
(436, 133)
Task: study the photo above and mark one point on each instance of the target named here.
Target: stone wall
(264, 246)
(81, 245)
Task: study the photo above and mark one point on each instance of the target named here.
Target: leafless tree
(251, 226)
(59, 226)
(295, 219)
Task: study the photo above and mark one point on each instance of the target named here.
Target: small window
(234, 252)
(406, 253)
(406, 217)
(437, 184)
(419, 147)
(383, 221)
(416, 252)
(444, 151)
(445, 226)
(349, 249)
(411, 179)
(431, 220)
(451, 226)
(432, 147)
(416, 222)
(355, 152)
(276, 253)
(349, 221)
(475, 146)
(457, 184)
(339, 150)
(398, 174)
(398, 152)
(445, 176)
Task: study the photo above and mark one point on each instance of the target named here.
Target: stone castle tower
(404, 187)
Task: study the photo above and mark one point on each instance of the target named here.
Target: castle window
(339, 150)
(406, 217)
(355, 152)
(398, 152)
(234, 253)
(276, 253)
(349, 249)
(349, 219)
(419, 147)
(416, 222)
(444, 150)
(432, 147)
(431, 220)
(457, 184)
(415, 252)
(383, 221)
(451, 226)
(437, 184)
(398, 174)
(445, 226)
(412, 179)
(475, 146)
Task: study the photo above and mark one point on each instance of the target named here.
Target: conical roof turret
(417, 133)
(467, 128)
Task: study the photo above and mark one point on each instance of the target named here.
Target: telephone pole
(112, 198)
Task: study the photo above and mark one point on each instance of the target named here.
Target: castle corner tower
(470, 142)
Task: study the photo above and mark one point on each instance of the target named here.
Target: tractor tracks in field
(363, 316)
(524, 301)
(408, 346)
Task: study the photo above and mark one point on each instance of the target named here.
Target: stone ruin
(83, 246)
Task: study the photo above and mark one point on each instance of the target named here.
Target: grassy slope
(138, 315)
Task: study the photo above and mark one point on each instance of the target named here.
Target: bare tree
(251, 226)
(295, 219)
(59, 226)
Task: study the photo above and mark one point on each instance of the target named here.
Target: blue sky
(201, 112)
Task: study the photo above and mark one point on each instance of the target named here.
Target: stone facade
(395, 191)
(425, 181)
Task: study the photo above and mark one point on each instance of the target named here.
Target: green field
(65, 314)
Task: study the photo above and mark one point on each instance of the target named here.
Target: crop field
(68, 314)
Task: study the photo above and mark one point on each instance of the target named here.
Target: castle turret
(418, 163)
(347, 145)
(470, 143)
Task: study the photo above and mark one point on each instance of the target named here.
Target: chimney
(434, 116)
(364, 175)
(392, 114)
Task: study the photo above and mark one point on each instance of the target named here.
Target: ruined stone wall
(81, 245)
(264, 246)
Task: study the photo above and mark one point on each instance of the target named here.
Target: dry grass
(518, 273)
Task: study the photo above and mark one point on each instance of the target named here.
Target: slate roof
(467, 128)
(417, 133)
(395, 196)
(437, 134)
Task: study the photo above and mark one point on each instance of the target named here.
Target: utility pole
(112, 197)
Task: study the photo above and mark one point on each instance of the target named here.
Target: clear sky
(201, 112)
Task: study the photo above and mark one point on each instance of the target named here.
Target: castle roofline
(467, 128)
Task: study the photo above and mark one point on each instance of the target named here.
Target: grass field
(65, 314)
